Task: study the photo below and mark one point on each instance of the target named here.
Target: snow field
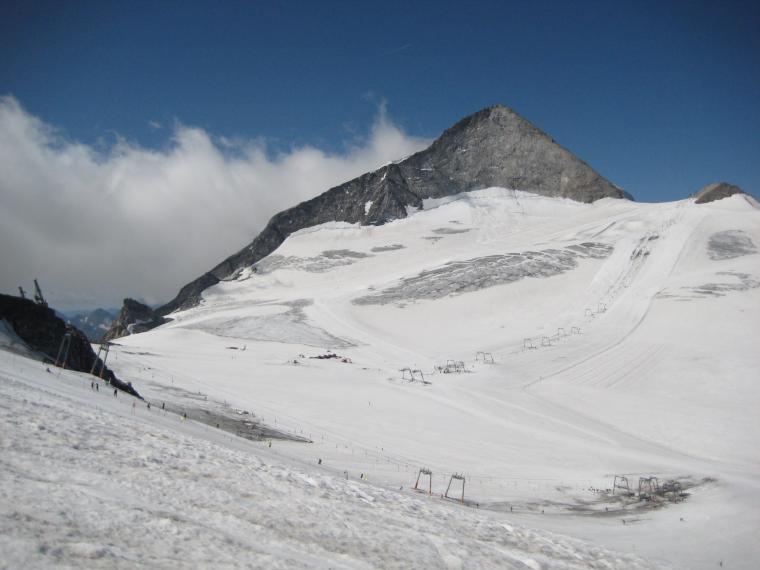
(661, 380)
(88, 480)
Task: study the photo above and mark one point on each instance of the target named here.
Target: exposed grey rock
(729, 244)
(329, 259)
(43, 331)
(746, 282)
(383, 248)
(189, 295)
(716, 191)
(449, 231)
(460, 277)
(343, 253)
(739, 282)
(134, 317)
(493, 147)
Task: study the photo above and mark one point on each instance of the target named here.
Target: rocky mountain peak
(716, 191)
(492, 147)
(134, 317)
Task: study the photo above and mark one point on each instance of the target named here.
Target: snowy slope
(661, 380)
(89, 480)
(644, 319)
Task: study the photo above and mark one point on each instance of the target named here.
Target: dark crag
(40, 328)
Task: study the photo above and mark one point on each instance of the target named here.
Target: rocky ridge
(43, 331)
(134, 317)
(493, 147)
(716, 191)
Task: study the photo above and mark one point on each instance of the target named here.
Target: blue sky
(660, 97)
(160, 136)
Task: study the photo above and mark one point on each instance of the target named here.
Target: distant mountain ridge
(493, 147)
(94, 324)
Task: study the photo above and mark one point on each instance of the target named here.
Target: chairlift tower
(429, 473)
(484, 357)
(455, 477)
(102, 349)
(38, 298)
(648, 487)
(63, 350)
(621, 482)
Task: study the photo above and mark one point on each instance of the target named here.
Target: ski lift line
(398, 461)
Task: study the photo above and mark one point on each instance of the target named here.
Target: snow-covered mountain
(537, 346)
(92, 323)
(493, 147)
(623, 338)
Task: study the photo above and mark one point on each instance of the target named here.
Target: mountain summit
(716, 191)
(493, 147)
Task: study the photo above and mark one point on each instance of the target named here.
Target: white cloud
(96, 227)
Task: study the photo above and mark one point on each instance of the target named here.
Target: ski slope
(90, 480)
(649, 314)
(624, 339)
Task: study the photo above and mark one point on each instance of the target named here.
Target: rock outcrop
(134, 317)
(716, 191)
(493, 147)
(42, 331)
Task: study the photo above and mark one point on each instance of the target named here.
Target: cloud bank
(97, 226)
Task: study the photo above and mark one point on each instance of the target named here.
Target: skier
(114, 392)
(149, 405)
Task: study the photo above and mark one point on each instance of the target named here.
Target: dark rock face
(189, 295)
(716, 191)
(493, 147)
(40, 328)
(497, 147)
(134, 317)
